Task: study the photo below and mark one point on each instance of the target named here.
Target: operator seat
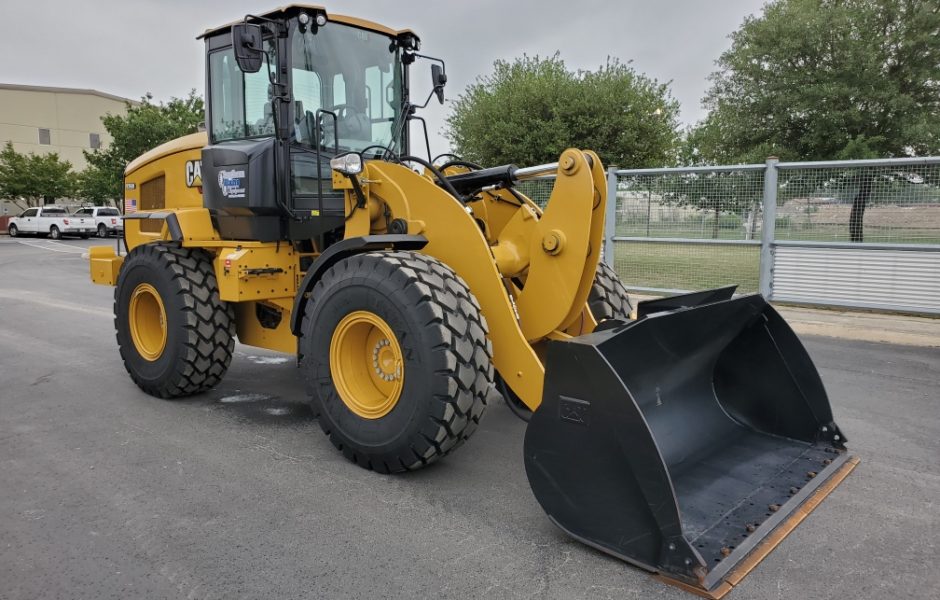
(355, 124)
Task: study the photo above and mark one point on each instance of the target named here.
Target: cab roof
(346, 20)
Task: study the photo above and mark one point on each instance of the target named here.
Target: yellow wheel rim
(147, 319)
(366, 364)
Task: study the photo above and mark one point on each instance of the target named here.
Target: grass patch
(687, 266)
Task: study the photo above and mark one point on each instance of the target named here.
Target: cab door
(30, 221)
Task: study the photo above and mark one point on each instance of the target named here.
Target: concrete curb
(905, 330)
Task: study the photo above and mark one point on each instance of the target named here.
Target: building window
(94, 141)
(45, 138)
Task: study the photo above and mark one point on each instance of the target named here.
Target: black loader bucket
(688, 443)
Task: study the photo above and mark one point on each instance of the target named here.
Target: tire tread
(209, 323)
(458, 332)
(608, 298)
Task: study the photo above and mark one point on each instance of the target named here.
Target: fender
(338, 252)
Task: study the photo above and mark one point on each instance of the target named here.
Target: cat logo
(193, 173)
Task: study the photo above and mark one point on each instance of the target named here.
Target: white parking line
(52, 302)
(52, 246)
(73, 249)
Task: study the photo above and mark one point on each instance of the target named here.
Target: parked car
(108, 219)
(53, 221)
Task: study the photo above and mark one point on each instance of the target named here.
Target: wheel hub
(147, 321)
(385, 362)
(366, 364)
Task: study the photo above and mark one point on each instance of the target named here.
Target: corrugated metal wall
(890, 279)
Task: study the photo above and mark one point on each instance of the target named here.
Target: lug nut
(725, 551)
(751, 528)
(794, 490)
(811, 474)
(774, 507)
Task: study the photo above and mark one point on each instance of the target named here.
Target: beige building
(42, 119)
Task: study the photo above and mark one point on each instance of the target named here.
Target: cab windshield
(350, 72)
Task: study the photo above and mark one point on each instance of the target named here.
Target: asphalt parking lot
(108, 493)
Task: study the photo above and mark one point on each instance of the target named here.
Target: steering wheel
(340, 110)
(354, 121)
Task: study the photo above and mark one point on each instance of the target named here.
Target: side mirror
(247, 43)
(438, 80)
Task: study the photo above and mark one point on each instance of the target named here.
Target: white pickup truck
(53, 221)
(107, 219)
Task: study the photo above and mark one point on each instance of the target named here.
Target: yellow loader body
(687, 438)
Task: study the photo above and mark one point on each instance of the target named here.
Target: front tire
(13, 231)
(102, 231)
(395, 355)
(175, 335)
(54, 233)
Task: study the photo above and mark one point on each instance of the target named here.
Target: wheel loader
(687, 436)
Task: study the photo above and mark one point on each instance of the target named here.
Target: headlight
(347, 164)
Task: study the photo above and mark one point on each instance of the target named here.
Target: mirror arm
(438, 88)
(433, 59)
(278, 28)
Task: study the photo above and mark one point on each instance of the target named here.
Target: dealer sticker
(232, 183)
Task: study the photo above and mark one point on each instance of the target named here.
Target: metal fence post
(610, 217)
(769, 202)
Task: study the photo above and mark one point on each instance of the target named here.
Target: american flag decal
(130, 205)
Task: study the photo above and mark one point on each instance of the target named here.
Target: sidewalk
(864, 326)
(858, 325)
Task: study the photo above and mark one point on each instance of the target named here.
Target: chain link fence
(849, 233)
(894, 203)
(688, 229)
(538, 190)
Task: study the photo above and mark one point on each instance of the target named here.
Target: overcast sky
(130, 47)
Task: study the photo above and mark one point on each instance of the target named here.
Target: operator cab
(287, 91)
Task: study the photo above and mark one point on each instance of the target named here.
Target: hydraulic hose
(512, 401)
(445, 183)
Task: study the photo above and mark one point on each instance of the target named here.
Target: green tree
(827, 79)
(144, 127)
(530, 110)
(34, 178)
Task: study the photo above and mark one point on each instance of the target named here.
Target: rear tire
(54, 233)
(608, 298)
(198, 328)
(13, 231)
(446, 358)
